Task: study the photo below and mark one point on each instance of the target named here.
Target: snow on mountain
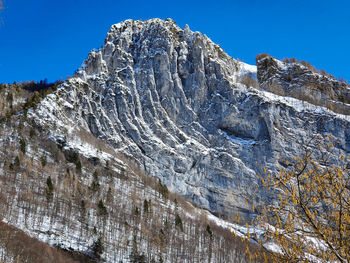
(158, 101)
(175, 101)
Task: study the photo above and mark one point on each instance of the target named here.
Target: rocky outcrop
(173, 100)
(299, 81)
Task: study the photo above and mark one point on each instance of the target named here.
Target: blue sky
(50, 39)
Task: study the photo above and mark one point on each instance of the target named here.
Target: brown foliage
(26, 249)
(311, 219)
(249, 81)
(261, 56)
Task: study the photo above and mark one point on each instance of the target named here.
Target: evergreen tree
(49, 188)
(135, 257)
(145, 206)
(101, 208)
(98, 248)
(94, 184)
(23, 145)
(43, 160)
(17, 162)
(209, 231)
(178, 222)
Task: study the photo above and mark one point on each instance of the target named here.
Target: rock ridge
(298, 81)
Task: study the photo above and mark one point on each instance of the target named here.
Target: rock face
(298, 81)
(174, 101)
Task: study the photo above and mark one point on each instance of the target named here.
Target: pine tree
(98, 248)
(135, 257)
(94, 184)
(145, 206)
(101, 208)
(43, 160)
(178, 222)
(23, 145)
(49, 188)
(17, 161)
(208, 229)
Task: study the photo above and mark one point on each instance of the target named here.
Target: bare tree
(311, 220)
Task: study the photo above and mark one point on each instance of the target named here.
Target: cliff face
(175, 102)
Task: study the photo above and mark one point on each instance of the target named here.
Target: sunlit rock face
(177, 103)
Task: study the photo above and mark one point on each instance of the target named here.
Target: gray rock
(173, 100)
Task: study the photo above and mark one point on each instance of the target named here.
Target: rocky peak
(302, 82)
(140, 41)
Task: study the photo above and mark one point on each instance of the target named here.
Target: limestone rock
(174, 101)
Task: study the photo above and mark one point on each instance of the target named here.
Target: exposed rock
(298, 81)
(173, 100)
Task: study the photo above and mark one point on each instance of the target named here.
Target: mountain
(175, 102)
(161, 102)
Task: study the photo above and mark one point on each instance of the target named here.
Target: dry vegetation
(305, 64)
(20, 247)
(249, 81)
(311, 220)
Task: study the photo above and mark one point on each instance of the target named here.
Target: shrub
(308, 65)
(261, 56)
(249, 81)
(293, 60)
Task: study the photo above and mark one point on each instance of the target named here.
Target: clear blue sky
(50, 38)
